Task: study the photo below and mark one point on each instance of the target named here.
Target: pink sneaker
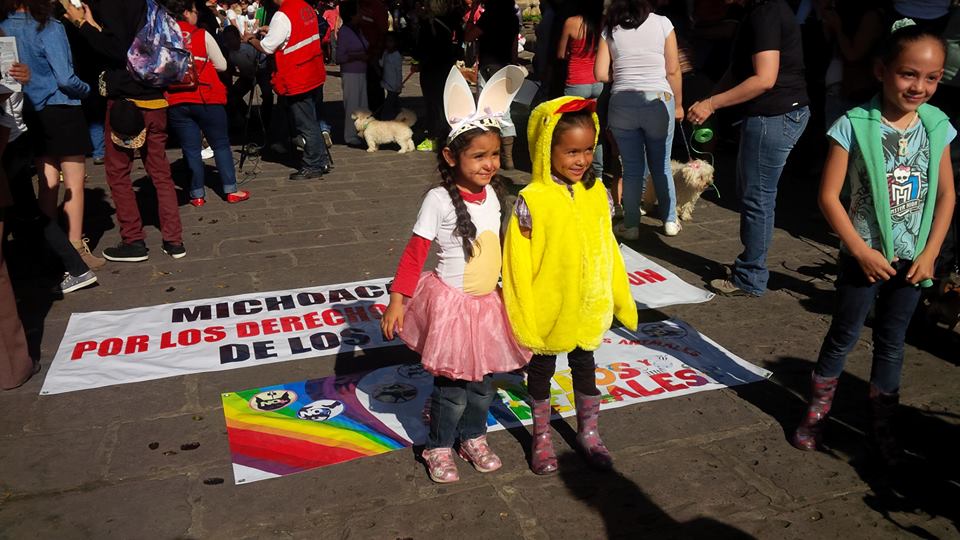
(440, 465)
(477, 452)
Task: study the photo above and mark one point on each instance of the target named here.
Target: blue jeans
(590, 91)
(187, 120)
(304, 110)
(458, 410)
(896, 300)
(765, 144)
(642, 124)
(96, 137)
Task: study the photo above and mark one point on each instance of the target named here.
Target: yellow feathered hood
(563, 279)
(543, 120)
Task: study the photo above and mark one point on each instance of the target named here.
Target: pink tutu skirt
(460, 336)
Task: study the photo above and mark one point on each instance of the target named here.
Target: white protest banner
(104, 348)
(114, 347)
(653, 286)
(285, 429)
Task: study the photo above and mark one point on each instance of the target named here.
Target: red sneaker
(198, 202)
(239, 196)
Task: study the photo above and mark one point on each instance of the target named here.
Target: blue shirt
(47, 52)
(906, 180)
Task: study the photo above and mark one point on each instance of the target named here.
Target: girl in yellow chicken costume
(563, 275)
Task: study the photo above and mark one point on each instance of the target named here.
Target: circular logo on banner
(395, 393)
(321, 410)
(272, 400)
(662, 330)
(412, 371)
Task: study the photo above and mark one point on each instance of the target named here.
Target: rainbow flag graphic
(280, 430)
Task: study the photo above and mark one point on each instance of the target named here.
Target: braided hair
(466, 230)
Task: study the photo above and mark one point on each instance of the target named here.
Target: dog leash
(691, 151)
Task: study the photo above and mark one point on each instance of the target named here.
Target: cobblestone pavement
(714, 464)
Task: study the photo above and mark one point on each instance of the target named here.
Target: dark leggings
(582, 370)
(17, 160)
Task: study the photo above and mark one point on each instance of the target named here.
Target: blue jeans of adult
(458, 410)
(895, 300)
(96, 137)
(188, 121)
(590, 91)
(303, 111)
(642, 124)
(765, 144)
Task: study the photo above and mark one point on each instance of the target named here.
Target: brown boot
(92, 261)
(883, 408)
(506, 153)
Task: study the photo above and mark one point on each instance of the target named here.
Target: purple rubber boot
(543, 460)
(588, 433)
(822, 389)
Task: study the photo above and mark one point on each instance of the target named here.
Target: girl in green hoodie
(894, 151)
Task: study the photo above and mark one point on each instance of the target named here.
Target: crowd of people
(616, 79)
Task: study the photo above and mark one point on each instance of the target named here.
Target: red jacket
(300, 63)
(210, 90)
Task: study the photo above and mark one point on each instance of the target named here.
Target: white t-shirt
(279, 33)
(437, 222)
(637, 56)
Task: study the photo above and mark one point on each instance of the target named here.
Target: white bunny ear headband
(495, 98)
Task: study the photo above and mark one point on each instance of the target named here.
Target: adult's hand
(20, 72)
(701, 111)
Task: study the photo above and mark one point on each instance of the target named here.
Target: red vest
(210, 90)
(300, 63)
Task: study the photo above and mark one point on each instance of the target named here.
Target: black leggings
(582, 370)
(17, 162)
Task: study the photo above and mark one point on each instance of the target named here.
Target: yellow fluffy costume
(562, 286)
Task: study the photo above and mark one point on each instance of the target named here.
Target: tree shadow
(627, 511)
(926, 485)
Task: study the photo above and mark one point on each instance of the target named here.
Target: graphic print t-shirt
(906, 184)
(437, 222)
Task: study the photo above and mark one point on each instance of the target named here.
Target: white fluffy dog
(377, 132)
(690, 179)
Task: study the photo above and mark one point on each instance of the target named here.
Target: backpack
(158, 56)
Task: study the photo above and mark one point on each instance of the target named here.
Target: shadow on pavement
(926, 485)
(627, 511)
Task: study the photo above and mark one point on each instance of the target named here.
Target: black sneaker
(309, 174)
(135, 251)
(177, 251)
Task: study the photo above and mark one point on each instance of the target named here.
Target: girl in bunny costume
(454, 316)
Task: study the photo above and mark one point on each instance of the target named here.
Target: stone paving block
(843, 517)
(386, 253)
(183, 443)
(16, 406)
(294, 199)
(100, 407)
(672, 421)
(289, 241)
(61, 459)
(374, 205)
(146, 509)
(346, 490)
(478, 512)
(805, 477)
(645, 496)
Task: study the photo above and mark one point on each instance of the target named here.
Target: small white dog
(377, 132)
(691, 179)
